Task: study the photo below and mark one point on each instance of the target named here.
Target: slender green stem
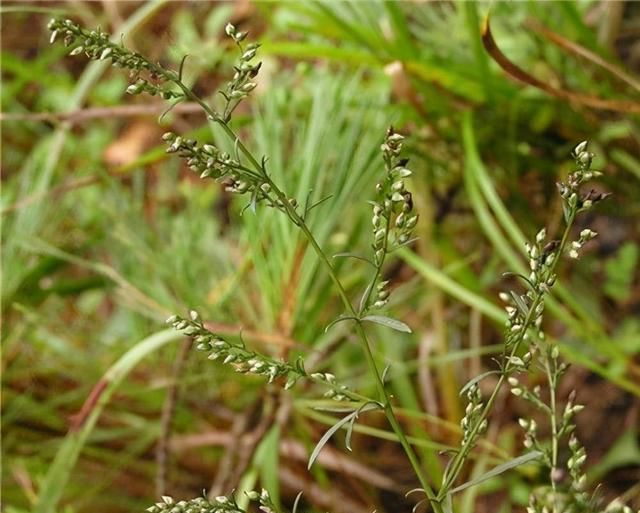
(382, 391)
(378, 272)
(551, 378)
(299, 221)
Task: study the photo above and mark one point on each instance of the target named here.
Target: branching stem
(366, 345)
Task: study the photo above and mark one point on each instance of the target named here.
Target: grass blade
(65, 460)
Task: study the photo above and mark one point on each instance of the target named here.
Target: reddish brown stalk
(583, 52)
(77, 420)
(81, 115)
(166, 421)
(518, 73)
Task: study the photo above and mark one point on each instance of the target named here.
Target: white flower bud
(580, 147)
(229, 29)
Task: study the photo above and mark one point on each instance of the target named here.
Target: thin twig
(54, 192)
(166, 420)
(516, 72)
(81, 115)
(428, 395)
(246, 450)
(577, 49)
(225, 466)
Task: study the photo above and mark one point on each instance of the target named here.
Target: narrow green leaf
(352, 255)
(339, 319)
(522, 306)
(332, 430)
(394, 324)
(268, 460)
(445, 283)
(520, 460)
(325, 438)
(60, 470)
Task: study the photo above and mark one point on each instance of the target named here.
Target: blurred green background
(104, 236)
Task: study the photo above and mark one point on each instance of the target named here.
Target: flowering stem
(300, 222)
(460, 457)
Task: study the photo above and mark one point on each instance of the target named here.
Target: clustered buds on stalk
(575, 200)
(245, 71)
(392, 219)
(243, 360)
(220, 504)
(472, 415)
(246, 361)
(208, 161)
(95, 45)
(585, 236)
(525, 312)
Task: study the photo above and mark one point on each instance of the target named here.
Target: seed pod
(585, 158)
(382, 284)
(581, 147)
(249, 54)
(411, 222)
(133, 89)
(398, 186)
(383, 294)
